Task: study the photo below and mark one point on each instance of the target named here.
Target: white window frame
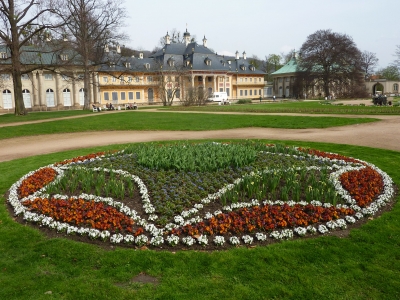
(48, 76)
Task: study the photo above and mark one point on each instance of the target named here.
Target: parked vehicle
(218, 97)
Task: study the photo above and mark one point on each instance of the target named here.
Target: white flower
(331, 224)
(261, 236)
(157, 240)
(188, 240)
(116, 238)
(322, 229)
(202, 240)
(301, 231)
(129, 239)
(350, 219)
(247, 239)
(172, 240)
(341, 223)
(234, 240)
(219, 240)
(141, 240)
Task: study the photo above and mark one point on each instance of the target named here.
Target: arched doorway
(7, 100)
(82, 96)
(50, 98)
(26, 95)
(67, 97)
(378, 89)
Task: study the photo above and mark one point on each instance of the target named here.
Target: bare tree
(369, 62)
(333, 61)
(91, 25)
(194, 96)
(288, 56)
(170, 79)
(21, 22)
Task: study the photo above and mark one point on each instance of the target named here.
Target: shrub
(244, 101)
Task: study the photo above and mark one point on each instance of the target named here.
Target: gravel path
(383, 134)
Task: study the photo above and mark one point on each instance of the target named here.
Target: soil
(383, 134)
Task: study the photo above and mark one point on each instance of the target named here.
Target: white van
(218, 97)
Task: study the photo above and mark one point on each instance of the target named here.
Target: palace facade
(56, 80)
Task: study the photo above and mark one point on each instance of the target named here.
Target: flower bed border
(156, 236)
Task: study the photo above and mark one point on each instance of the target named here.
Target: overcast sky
(262, 27)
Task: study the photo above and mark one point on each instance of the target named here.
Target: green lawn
(174, 121)
(312, 107)
(365, 265)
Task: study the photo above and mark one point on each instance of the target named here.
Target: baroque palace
(178, 67)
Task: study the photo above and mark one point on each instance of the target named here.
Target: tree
(21, 22)
(397, 55)
(255, 61)
(91, 25)
(170, 78)
(369, 62)
(333, 61)
(288, 56)
(194, 96)
(272, 64)
(389, 73)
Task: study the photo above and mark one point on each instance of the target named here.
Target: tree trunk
(16, 67)
(86, 88)
(16, 76)
(18, 98)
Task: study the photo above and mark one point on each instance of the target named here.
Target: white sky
(262, 27)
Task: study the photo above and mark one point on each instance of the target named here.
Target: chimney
(237, 54)
(244, 55)
(205, 42)
(186, 37)
(118, 48)
(141, 55)
(167, 39)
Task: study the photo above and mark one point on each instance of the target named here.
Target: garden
(201, 196)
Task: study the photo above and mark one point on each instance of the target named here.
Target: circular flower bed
(208, 194)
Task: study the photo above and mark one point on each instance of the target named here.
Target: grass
(34, 116)
(174, 121)
(312, 107)
(365, 265)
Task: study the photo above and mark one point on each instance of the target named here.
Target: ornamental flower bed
(207, 195)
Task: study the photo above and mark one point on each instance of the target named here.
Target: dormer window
(171, 62)
(147, 66)
(64, 57)
(187, 63)
(3, 55)
(207, 61)
(252, 68)
(127, 65)
(243, 67)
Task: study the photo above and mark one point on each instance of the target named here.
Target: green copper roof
(290, 67)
